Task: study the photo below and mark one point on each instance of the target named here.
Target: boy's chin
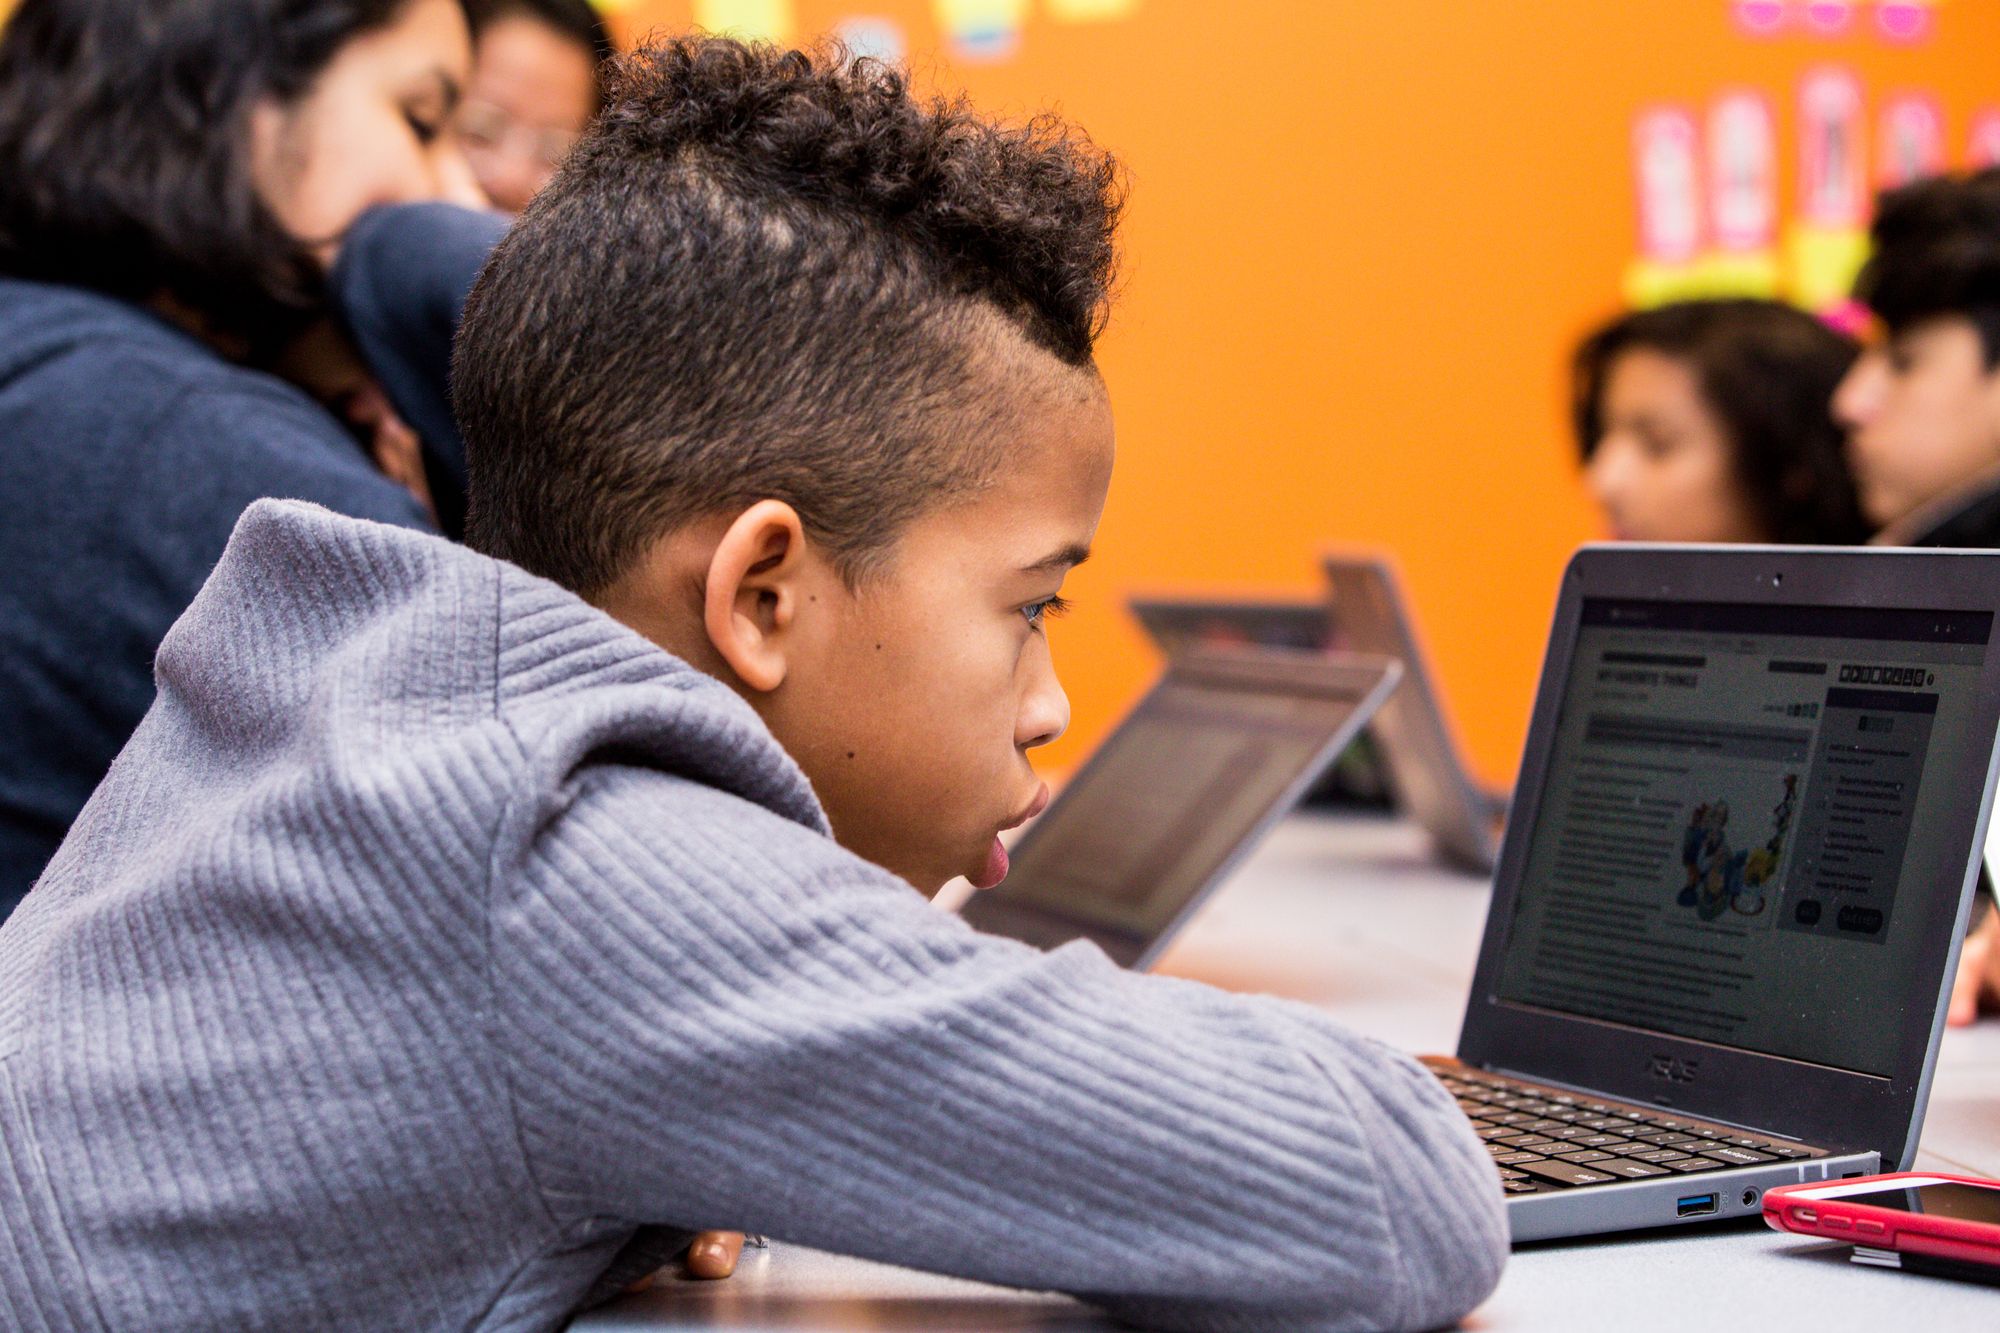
(991, 869)
(982, 869)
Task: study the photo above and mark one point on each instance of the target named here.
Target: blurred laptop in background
(1426, 771)
(1357, 778)
(1408, 758)
(1182, 790)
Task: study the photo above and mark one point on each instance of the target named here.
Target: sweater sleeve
(720, 1019)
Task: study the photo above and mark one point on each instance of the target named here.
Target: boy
(442, 951)
(1922, 412)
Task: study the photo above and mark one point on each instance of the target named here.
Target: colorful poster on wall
(1832, 190)
(1982, 147)
(1666, 166)
(1829, 240)
(1828, 18)
(1910, 140)
(771, 19)
(1761, 18)
(1906, 20)
(982, 31)
(1742, 196)
(1091, 11)
(866, 36)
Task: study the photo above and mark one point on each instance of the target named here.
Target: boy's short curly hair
(770, 274)
(1937, 253)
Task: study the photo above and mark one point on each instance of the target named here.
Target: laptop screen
(1737, 800)
(1179, 625)
(1210, 757)
(1430, 778)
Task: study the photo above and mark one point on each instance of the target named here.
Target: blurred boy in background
(1922, 410)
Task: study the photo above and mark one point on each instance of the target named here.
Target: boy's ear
(751, 599)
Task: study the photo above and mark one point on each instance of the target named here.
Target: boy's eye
(1036, 612)
(1656, 446)
(423, 127)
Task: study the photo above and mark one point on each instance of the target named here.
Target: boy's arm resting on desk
(713, 1017)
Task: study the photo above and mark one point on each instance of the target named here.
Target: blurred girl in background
(1714, 421)
(1710, 421)
(175, 181)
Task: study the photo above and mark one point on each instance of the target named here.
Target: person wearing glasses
(534, 87)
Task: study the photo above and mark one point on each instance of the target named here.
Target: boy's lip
(1033, 808)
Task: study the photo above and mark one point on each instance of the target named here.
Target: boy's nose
(457, 183)
(1044, 714)
(1859, 392)
(1606, 474)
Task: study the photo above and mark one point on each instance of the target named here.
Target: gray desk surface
(1349, 915)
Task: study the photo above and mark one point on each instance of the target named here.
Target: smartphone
(1915, 1213)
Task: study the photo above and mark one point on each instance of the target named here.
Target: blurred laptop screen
(1207, 757)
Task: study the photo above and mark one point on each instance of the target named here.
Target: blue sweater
(439, 951)
(127, 452)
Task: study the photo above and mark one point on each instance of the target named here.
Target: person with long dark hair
(174, 182)
(1708, 421)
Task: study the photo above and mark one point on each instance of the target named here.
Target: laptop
(1729, 904)
(1425, 770)
(1178, 624)
(1216, 753)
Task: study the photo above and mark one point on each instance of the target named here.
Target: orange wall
(1363, 236)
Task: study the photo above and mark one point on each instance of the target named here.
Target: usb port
(1694, 1205)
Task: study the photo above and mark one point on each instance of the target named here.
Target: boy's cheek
(912, 747)
(892, 802)
(944, 824)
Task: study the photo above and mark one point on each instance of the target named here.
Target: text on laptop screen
(1145, 825)
(1736, 808)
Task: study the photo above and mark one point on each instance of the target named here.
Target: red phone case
(1885, 1228)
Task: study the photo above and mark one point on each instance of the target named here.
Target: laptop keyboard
(1543, 1139)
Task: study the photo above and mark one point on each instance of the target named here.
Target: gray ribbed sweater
(437, 945)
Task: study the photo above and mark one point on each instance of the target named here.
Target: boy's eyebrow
(1069, 557)
(446, 87)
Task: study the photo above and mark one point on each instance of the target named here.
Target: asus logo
(1672, 1069)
